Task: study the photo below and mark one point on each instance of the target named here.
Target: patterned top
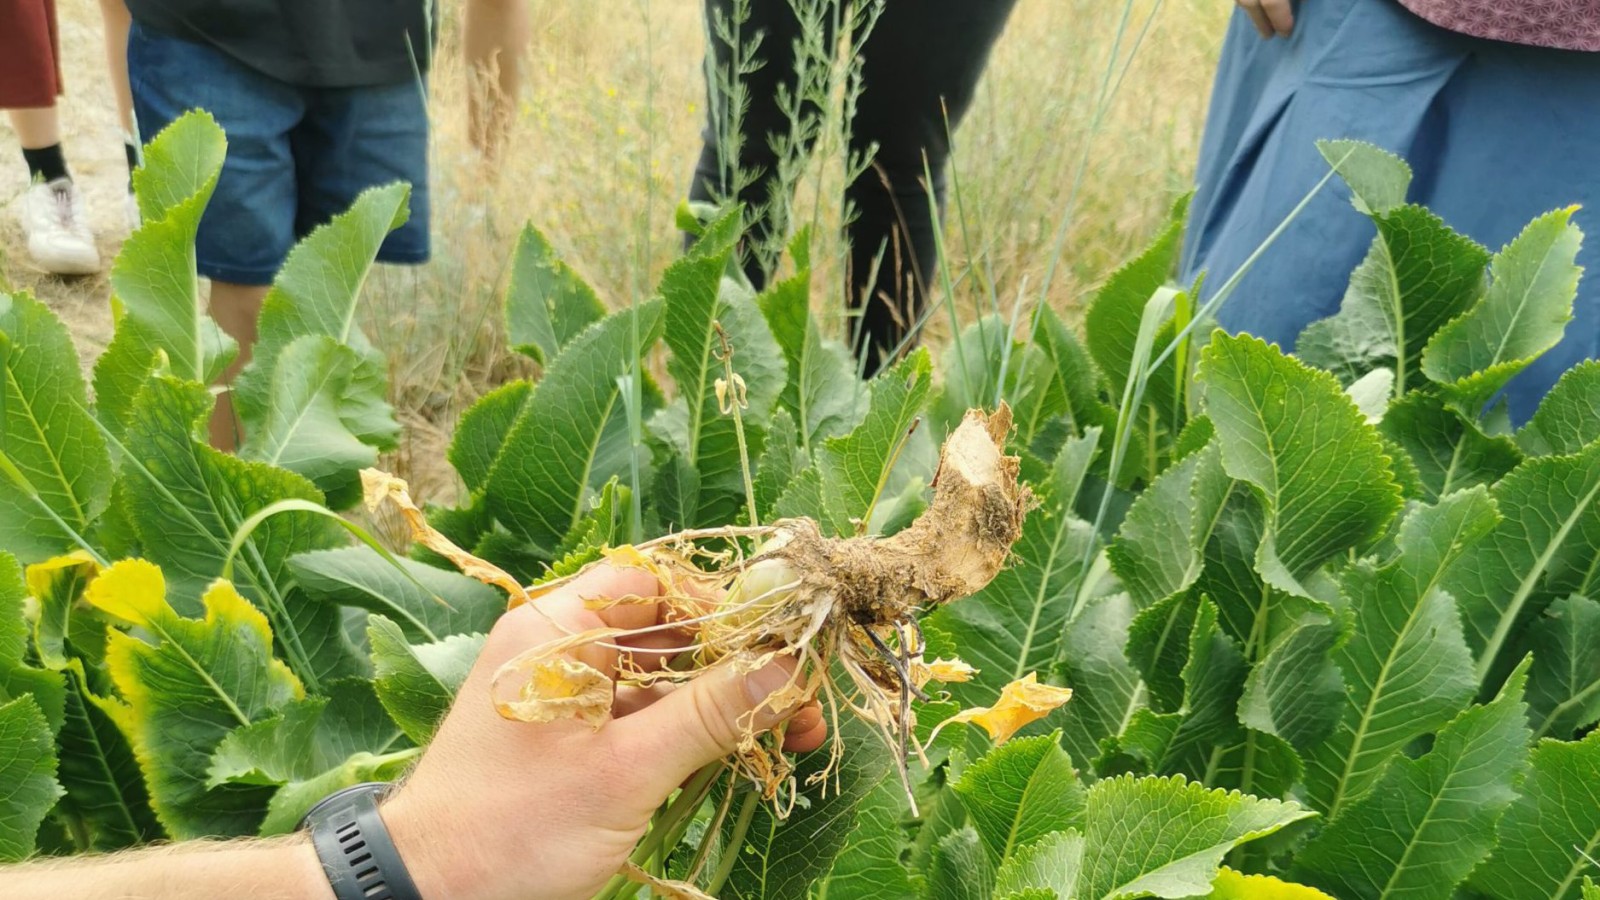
(1560, 24)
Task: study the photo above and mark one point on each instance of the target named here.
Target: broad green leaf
(1569, 417)
(1564, 683)
(1522, 314)
(1158, 647)
(1059, 378)
(802, 497)
(781, 460)
(856, 468)
(604, 526)
(325, 416)
(187, 500)
(1106, 690)
(1015, 624)
(1406, 667)
(781, 858)
(704, 313)
(312, 748)
(547, 303)
(1294, 691)
(28, 786)
(18, 677)
(417, 683)
(1428, 821)
(46, 434)
(317, 292)
(428, 603)
(961, 869)
(869, 867)
(972, 367)
(57, 584)
(106, 800)
(1020, 792)
(1450, 453)
(1111, 325)
(183, 685)
(1418, 276)
(1166, 837)
(156, 292)
(1292, 433)
(1231, 885)
(1159, 549)
(1052, 864)
(1543, 549)
(1378, 179)
(822, 392)
(1591, 891)
(1549, 837)
(572, 435)
(481, 434)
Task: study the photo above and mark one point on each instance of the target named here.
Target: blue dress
(1497, 134)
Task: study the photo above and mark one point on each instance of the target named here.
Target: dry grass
(601, 152)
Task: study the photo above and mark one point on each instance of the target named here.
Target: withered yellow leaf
(1021, 703)
(543, 687)
(944, 671)
(378, 486)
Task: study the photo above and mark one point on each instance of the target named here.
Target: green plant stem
(730, 852)
(672, 821)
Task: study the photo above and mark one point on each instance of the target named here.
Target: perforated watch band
(353, 844)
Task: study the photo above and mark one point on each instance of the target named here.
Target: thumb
(705, 720)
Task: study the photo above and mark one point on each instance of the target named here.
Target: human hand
(1271, 17)
(502, 809)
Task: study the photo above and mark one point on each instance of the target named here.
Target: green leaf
(481, 434)
(1544, 548)
(1292, 433)
(572, 435)
(312, 748)
(1523, 314)
(1060, 379)
(325, 416)
(1406, 666)
(1418, 276)
(156, 302)
(802, 497)
(822, 392)
(46, 434)
(106, 799)
(1564, 683)
(1549, 837)
(1450, 453)
(1106, 690)
(417, 683)
(1294, 691)
(28, 786)
(1166, 837)
(187, 500)
(1378, 179)
(1015, 624)
(1111, 324)
(1428, 821)
(1158, 646)
(1159, 549)
(184, 684)
(781, 858)
(1231, 885)
(869, 866)
(857, 468)
(961, 870)
(972, 367)
(1020, 792)
(604, 526)
(1569, 417)
(547, 303)
(781, 460)
(427, 603)
(699, 302)
(1052, 864)
(316, 292)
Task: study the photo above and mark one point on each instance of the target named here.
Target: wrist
(435, 852)
(301, 859)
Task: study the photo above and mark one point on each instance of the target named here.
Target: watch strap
(357, 854)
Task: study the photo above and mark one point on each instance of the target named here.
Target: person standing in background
(114, 15)
(1491, 101)
(921, 61)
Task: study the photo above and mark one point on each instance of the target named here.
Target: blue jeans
(297, 156)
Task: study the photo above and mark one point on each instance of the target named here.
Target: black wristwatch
(357, 854)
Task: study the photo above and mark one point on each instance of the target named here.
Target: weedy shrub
(1327, 620)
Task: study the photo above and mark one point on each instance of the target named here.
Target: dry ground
(600, 155)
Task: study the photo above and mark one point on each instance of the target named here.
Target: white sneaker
(57, 227)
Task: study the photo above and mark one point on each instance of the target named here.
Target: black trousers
(920, 67)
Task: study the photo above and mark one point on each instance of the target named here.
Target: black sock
(46, 163)
(132, 151)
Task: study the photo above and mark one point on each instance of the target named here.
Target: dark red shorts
(30, 64)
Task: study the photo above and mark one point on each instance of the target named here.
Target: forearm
(280, 869)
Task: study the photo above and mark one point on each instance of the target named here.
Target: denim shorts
(297, 156)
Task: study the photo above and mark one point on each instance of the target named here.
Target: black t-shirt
(311, 43)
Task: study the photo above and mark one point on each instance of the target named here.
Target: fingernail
(763, 682)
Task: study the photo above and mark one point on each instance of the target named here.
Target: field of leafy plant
(1331, 624)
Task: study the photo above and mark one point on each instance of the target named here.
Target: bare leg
(495, 38)
(36, 128)
(117, 20)
(236, 308)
